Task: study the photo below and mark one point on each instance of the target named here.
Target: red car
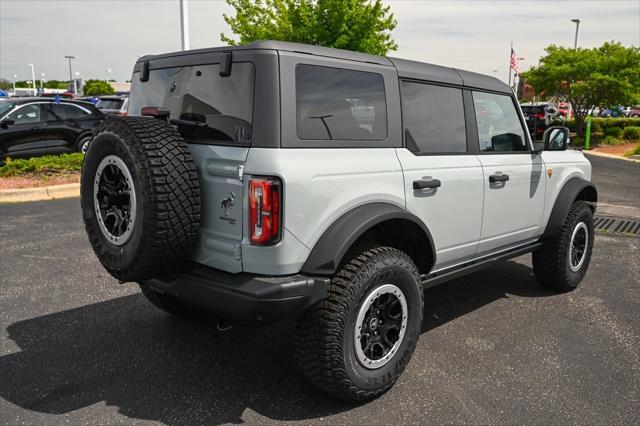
(634, 111)
(564, 109)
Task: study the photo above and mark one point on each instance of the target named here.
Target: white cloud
(473, 35)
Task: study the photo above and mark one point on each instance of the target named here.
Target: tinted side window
(499, 127)
(339, 104)
(433, 118)
(26, 114)
(64, 111)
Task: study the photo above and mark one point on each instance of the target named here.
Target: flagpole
(510, 50)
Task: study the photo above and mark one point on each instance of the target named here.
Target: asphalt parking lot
(77, 347)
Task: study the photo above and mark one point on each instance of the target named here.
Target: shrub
(601, 124)
(611, 140)
(45, 165)
(631, 133)
(616, 132)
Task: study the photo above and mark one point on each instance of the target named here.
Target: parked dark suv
(539, 117)
(37, 126)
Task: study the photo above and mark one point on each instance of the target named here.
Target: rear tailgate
(214, 115)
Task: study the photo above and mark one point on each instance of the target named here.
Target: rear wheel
(562, 262)
(83, 144)
(357, 342)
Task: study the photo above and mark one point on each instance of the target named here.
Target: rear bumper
(244, 298)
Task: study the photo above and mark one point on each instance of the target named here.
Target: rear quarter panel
(320, 185)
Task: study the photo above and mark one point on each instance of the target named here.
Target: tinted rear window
(340, 104)
(204, 106)
(110, 103)
(532, 109)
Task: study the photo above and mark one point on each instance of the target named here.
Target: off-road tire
(170, 304)
(167, 192)
(325, 350)
(551, 264)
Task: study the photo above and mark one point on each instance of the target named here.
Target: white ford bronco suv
(279, 180)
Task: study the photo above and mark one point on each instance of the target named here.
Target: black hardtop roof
(406, 68)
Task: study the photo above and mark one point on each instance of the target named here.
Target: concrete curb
(67, 190)
(617, 157)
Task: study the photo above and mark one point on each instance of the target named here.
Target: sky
(473, 35)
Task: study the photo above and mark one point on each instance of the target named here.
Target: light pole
(76, 89)
(33, 78)
(71, 73)
(15, 77)
(184, 23)
(575, 41)
(106, 75)
(42, 81)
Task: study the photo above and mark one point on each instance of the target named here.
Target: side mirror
(556, 138)
(6, 123)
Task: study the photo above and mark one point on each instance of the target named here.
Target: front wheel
(563, 260)
(357, 342)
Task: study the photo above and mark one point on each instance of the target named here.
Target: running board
(435, 278)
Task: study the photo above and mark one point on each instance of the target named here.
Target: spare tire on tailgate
(140, 198)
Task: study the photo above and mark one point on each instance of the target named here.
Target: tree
(604, 76)
(56, 84)
(360, 25)
(5, 84)
(97, 87)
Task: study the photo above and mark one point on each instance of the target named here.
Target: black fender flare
(330, 249)
(566, 197)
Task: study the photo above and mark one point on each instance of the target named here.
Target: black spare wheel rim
(114, 200)
(380, 326)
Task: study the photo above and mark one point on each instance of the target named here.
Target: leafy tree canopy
(359, 25)
(5, 84)
(604, 76)
(97, 87)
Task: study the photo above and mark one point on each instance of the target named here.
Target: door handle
(426, 183)
(498, 178)
(35, 128)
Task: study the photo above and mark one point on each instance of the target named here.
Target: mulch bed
(35, 181)
(615, 149)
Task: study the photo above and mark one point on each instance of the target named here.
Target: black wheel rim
(380, 326)
(114, 200)
(578, 246)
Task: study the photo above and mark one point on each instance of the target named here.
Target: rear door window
(433, 118)
(339, 104)
(205, 107)
(64, 112)
(499, 126)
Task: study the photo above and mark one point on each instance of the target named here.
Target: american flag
(514, 60)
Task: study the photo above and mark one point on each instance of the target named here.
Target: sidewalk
(38, 194)
(633, 158)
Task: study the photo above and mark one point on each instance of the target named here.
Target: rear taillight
(264, 211)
